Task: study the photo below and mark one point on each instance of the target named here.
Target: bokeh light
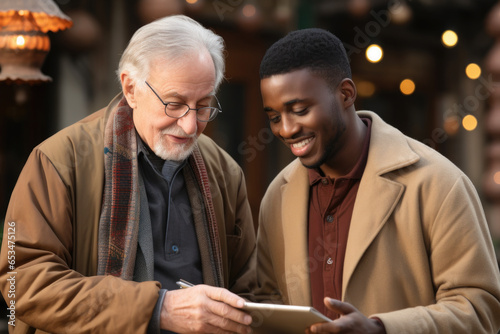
(473, 71)
(449, 38)
(407, 86)
(249, 10)
(451, 125)
(20, 41)
(365, 88)
(469, 123)
(496, 177)
(374, 53)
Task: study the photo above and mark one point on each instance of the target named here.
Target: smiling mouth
(302, 143)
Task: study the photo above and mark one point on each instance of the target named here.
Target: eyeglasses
(179, 110)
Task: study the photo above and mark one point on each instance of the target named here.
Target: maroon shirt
(331, 203)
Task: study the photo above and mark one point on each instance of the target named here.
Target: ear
(128, 88)
(348, 91)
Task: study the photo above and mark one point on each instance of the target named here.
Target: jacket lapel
(378, 195)
(367, 221)
(294, 225)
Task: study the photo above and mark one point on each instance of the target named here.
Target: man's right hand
(204, 309)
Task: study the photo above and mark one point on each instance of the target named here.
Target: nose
(189, 123)
(289, 127)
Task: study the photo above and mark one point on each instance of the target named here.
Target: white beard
(172, 151)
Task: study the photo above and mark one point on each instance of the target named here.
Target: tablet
(282, 319)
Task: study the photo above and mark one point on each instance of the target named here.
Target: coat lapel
(366, 222)
(377, 194)
(294, 225)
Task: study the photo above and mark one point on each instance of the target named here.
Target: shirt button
(324, 181)
(329, 218)
(175, 248)
(329, 261)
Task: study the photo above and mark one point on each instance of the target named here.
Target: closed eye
(275, 119)
(300, 111)
(175, 106)
(274, 116)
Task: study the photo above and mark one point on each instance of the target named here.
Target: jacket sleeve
(36, 262)
(464, 272)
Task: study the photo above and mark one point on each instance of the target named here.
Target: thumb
(338, 306)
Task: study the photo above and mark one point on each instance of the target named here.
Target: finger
(326, 327)
(224, 325)
(338, 306)
(227, 312)
(329, 327)
(225, 296)
(228, 304)
(191, 310)
(208, 328)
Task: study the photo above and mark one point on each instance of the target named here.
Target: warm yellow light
(496, 177)
(469, 123)
(407, 86)
(473, 71)
(374, 53)
(249, 10)
(451, 125)
(24, 42)
(191, 2)
(449, 38)
(20, 41)
(365, 88)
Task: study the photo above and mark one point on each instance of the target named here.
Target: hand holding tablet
(277, 318)
(282, 319)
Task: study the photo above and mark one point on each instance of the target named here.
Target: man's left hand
(351, 321)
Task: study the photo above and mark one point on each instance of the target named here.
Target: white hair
(170, 38)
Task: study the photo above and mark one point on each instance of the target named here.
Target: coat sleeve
(464, 272)
(36, 262)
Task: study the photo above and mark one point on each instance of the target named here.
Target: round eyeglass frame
(213, 111)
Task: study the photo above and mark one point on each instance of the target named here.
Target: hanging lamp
(24, 42)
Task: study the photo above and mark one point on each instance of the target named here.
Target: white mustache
(177, 132)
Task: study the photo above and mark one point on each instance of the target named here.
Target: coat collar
(364, 227)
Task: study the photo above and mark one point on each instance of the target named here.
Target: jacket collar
(364, 227)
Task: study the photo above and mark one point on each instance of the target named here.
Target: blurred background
(428, 67)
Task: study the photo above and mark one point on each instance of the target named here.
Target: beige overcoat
(419, 253)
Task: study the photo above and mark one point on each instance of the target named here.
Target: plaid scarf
(119, 221)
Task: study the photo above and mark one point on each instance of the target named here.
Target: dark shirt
(176, 250)
(331, 202)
